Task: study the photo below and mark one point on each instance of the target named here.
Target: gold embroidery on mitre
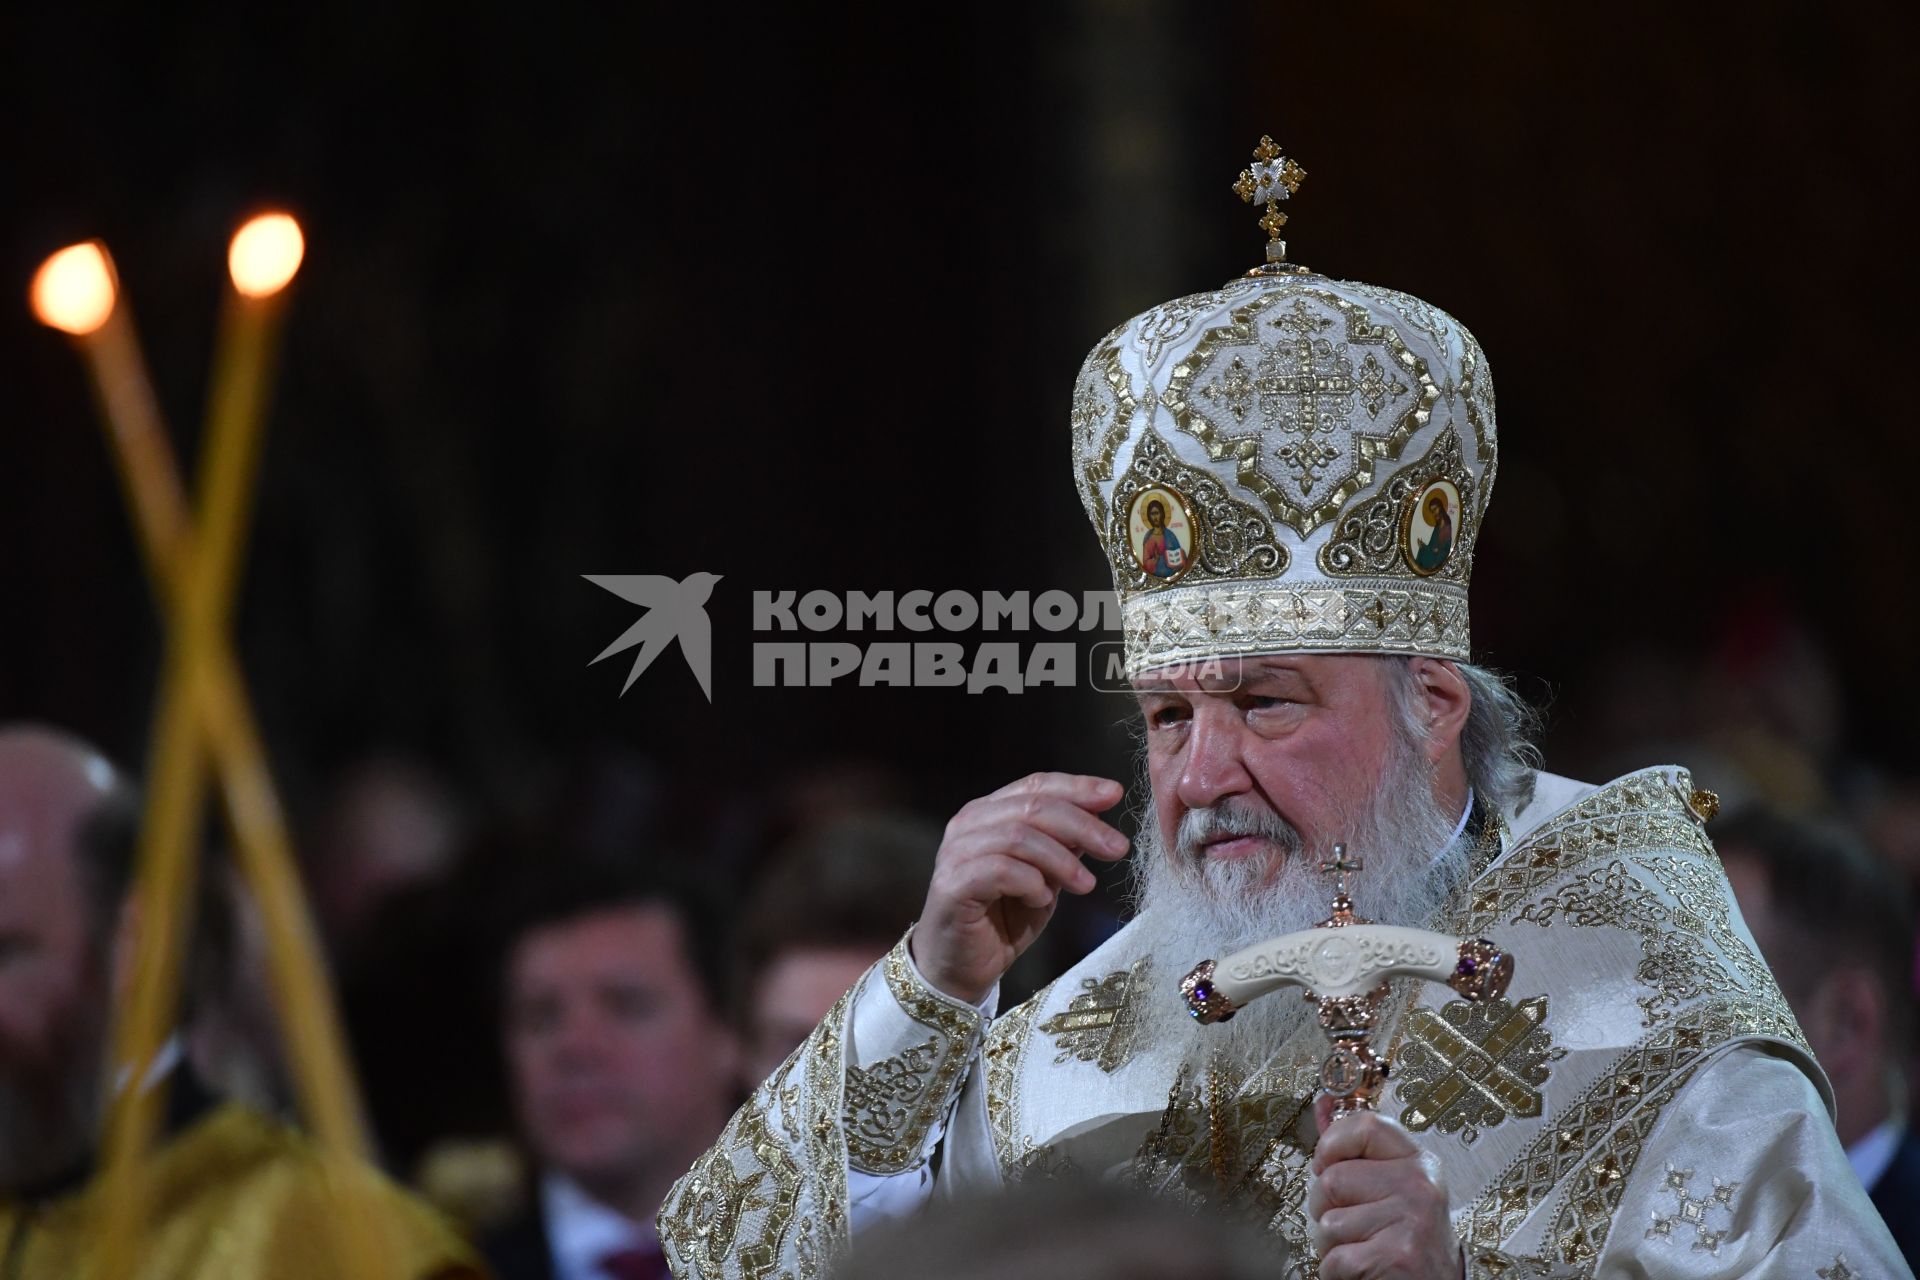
(1430, 321)
(1474, 1065)
(1476, 389)
(1276, 389)
(1103, 409)
(1101, 1025)
(1234, 540)
(1170, 322)
(1370, 539)
(1216, 620)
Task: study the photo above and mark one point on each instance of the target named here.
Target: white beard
(1191, 908)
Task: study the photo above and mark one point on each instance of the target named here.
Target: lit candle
(261, 261)
(76, 292)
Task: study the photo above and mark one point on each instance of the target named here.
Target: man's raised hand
(1002, 866)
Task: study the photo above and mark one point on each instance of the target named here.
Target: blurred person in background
(1890, 817)
(233, 1190)
(826, 907)
(622, 1066)
(388, 825)
(1837, 927)
(385, 860)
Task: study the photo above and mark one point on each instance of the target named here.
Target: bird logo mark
(673, 609)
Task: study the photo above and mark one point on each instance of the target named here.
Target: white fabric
(1871, 1155)
(581, 1231)
(1753, 1121)
(874, 1198)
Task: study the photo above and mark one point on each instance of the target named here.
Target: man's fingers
(1363, 1135)
(1026, 844)
(1353, 1223)
(992, 878)
(1356, 1182)
(1358, 1261)
(1053, 859)
(1066, 822)
(1094, 794)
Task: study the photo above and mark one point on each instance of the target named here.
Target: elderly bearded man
(1640, 1103)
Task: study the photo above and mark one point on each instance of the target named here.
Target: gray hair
(1496, 744)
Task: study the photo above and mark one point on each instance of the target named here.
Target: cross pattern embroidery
(1696, 1212)
(1475, 1065)
(1305, 387)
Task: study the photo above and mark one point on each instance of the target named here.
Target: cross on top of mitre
(1270, 179)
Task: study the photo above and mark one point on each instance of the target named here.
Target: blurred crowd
(554, 1010)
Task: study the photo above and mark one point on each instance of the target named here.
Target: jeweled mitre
(1290, 463)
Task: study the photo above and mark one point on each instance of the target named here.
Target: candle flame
(74, 290)
(265, 254)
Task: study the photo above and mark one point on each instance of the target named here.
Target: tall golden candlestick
(76, 292)
(170, 832)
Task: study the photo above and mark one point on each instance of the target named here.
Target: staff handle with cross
(1343, 964)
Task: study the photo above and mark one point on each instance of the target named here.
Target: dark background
(797, 297)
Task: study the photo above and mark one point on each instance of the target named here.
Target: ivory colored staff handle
(1351, 960)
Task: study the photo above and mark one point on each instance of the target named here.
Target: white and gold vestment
(1641, 1102)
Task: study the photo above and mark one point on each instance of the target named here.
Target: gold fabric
(236, 1196)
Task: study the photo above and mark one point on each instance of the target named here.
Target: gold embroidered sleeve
(770, 1198)
(908, 1055)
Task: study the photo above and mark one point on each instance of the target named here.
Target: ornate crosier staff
(204, 701)
(1345, 973)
